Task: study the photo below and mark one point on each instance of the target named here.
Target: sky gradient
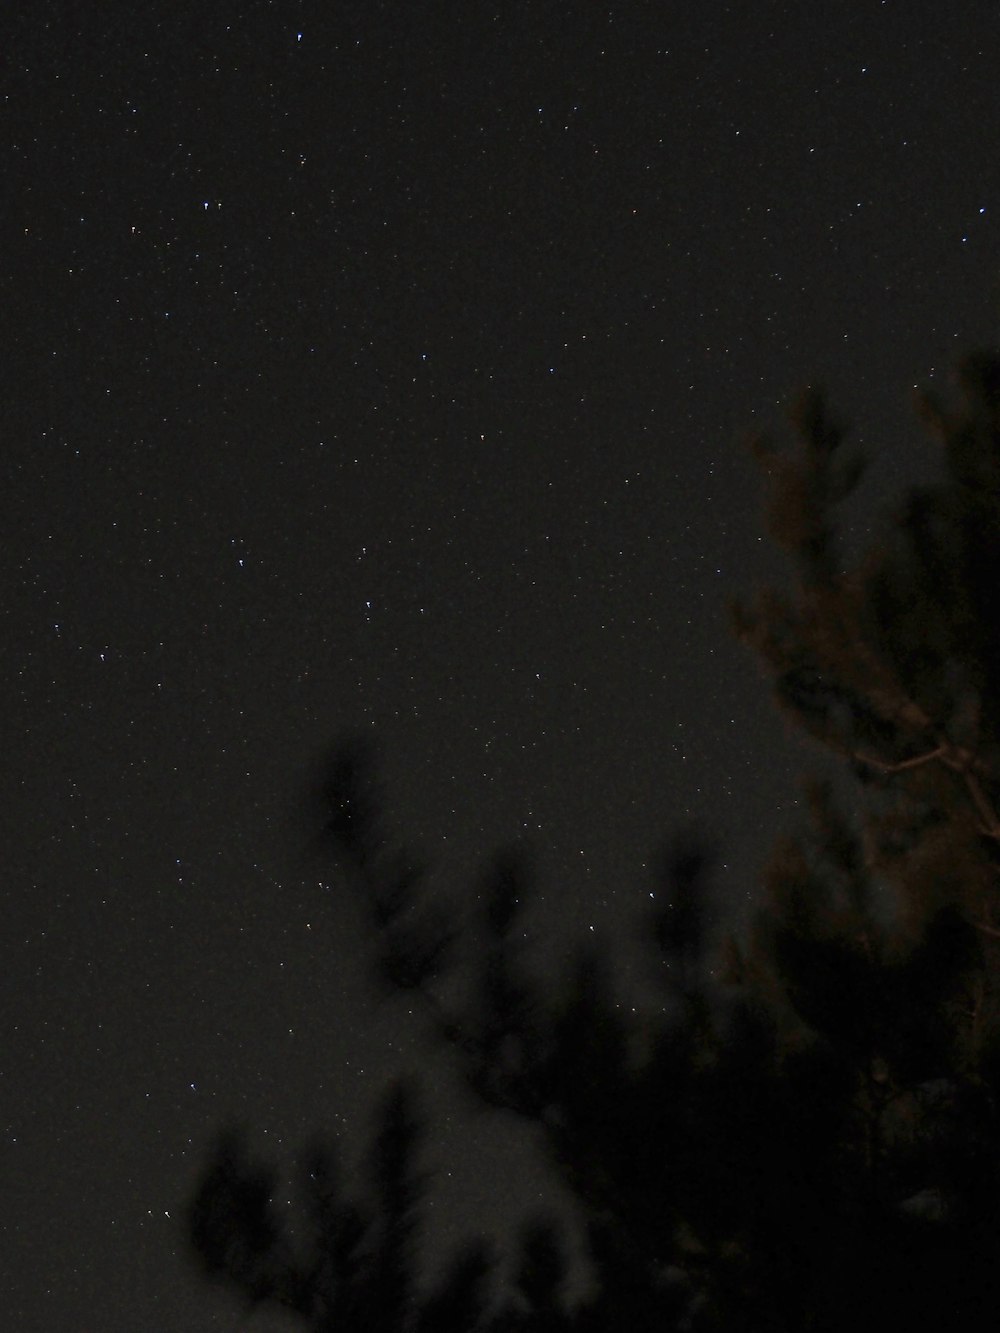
(389, 366)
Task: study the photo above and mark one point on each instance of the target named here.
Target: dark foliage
(813, 1145)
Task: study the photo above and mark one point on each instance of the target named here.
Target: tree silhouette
(811, 1144)
(892, 667)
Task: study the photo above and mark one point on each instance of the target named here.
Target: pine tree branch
(915, 762)
(990, 827)
(962, 761)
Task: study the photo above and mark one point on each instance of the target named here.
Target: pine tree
(817, 1147)
(892, 668)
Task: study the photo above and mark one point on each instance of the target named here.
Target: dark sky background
(388, 366)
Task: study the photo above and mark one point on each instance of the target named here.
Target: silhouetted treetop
(809, 1140)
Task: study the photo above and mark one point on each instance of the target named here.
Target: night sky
(389, 367)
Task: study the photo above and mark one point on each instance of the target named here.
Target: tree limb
(905, 763)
